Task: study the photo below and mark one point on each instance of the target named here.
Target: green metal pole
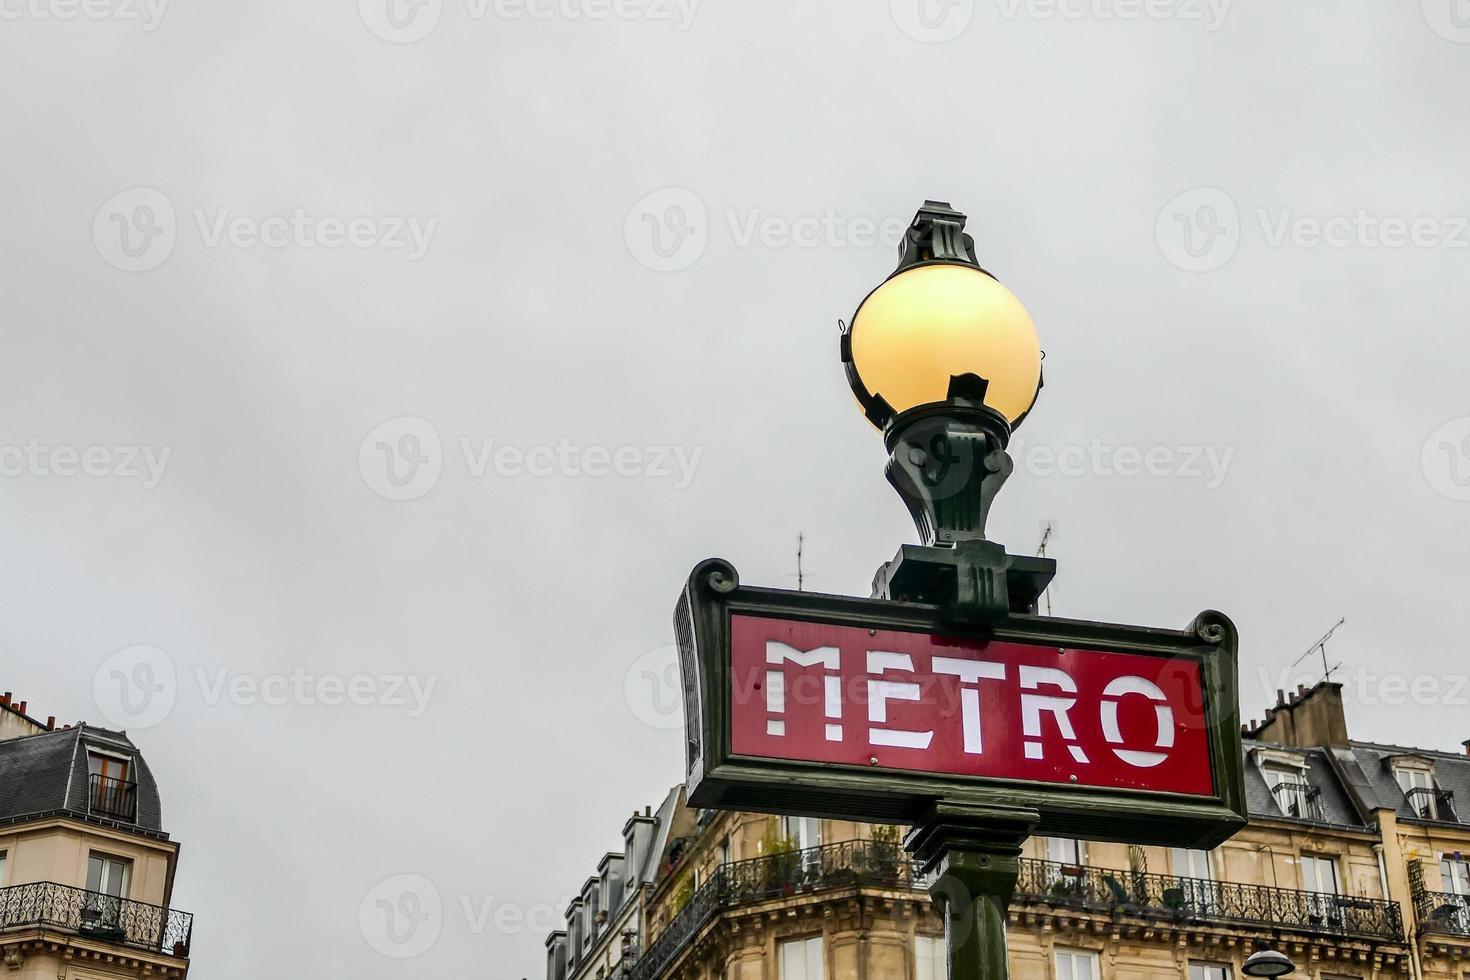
(974, 854)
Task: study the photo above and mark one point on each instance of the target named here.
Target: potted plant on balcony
(779, 854)
(884, 853)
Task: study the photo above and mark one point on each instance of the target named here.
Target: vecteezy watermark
(148, 14)
(136, 230)
(1210, 14)
(136, 687)
(1446, 459)
(652, 689)
(406, 21)
(1450, 19)
(401, 917)
(302, 689)
(1371, 688)
(1200, 230)
(932, 21)
(1208, 464)
(35, 459)
(403, 458)
(669, 229)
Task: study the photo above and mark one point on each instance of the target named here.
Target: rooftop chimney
(50, 723)
(22, 708)
(1312, 718)
(1466, 743)
(5, 700)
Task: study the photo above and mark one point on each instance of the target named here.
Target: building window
(1064, 850)
(1319, 874)
(1209, 971)
(805, 832)
(1189, 863)
(929, 963)
(1077, 964)
(1423, 794)
(801, 959)
(1454, 870)
(1196, 879)
(107, 882)
(110, 792)
(725, 851)
(2, 869)
(1294, 796)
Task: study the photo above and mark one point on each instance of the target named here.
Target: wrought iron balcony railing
(1165, 897)
(1298, 799)
(1442, 912)
(113, 798)
(775, 876)
(97, 916)
(1432, 803)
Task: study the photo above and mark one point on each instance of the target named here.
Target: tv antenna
(1041, 553)
(1321, 647)
(800, 573)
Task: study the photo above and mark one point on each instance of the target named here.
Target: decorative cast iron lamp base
(948, 461)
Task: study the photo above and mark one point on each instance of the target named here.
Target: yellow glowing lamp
(938, 317)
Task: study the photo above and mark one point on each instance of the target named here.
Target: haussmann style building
(1355, 863)
(86, 869)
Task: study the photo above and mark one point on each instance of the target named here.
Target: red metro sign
(870, 709)
(843, 695)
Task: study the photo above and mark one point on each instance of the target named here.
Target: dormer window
(111, 791)
(1286, 777)
(1427, 800)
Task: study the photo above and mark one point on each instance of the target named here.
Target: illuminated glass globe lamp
(946, 361)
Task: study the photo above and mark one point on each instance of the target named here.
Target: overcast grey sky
(258, 252)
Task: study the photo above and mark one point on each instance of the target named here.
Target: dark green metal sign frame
(718, 778)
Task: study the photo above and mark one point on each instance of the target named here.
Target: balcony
(1443, 913)
(1432, 803)
(1299, 799)
(47, 905)
(1165, 898)
(116, 799)
(776, 876)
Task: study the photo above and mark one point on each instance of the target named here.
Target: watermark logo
(1207, 465)
(653, 691)
(402, 916)
(1450, 19)
(400, 21)
(1210, 13)
(147, 13)
(135, 230)
(307, 690)
(932, 21)
(668, 230)
(1446, 459)
(136, 687)
(145, 464)
(1199, 230)
(402, 458)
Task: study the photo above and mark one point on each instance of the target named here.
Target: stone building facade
(86, 869)
(1355, 863)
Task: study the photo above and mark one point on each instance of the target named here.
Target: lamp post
(1267, 963)
(946, 361)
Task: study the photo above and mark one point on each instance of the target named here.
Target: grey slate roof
(1451, 772)
(1357, 779)
(47, 773)
(1337, 806)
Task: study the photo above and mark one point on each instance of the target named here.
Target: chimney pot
(5, 699)
(50, 723)
(1301, 689)
(22, 708)
(1280, 698)
(1466, 743)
